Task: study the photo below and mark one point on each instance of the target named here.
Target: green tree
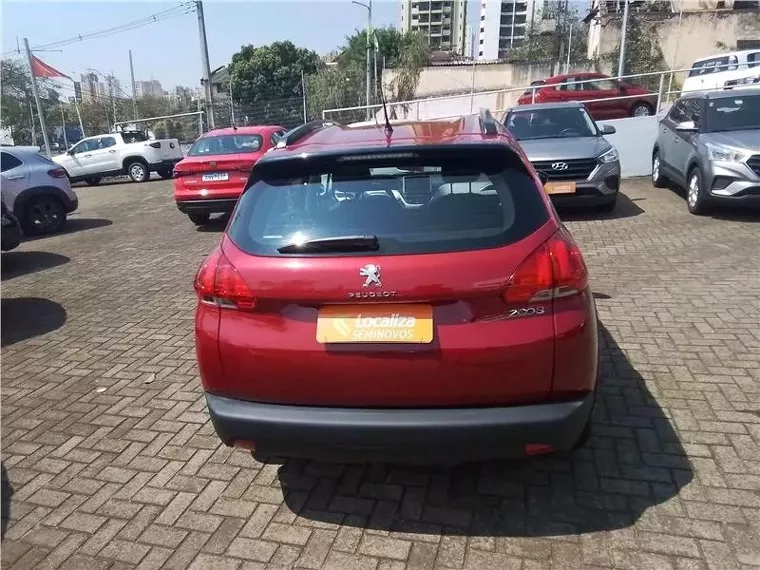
(539, 46)
(271, 72)
(643, 53)
(15, 95)
(390, 44)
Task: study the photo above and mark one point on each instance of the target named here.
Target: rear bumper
(70, 204)
(167, 164)
(218, 206)
(448, 435)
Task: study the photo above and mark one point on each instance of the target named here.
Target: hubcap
(641, 111)
(45, 215)
(693, 190)
(656, 168)
(137, 171)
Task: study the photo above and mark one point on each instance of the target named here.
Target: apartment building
(504, 24)
(150, 88)
(442, 21)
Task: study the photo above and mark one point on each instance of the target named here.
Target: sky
(169, 50)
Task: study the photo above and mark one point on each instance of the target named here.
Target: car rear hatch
(385, 281)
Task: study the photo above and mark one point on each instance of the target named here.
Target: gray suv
(578, 165)
(709, 143)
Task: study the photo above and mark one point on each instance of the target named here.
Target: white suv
(35, 189)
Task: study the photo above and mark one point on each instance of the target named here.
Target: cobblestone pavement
(109, 459)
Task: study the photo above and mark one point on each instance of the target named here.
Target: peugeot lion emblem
(371, 273)
(559, 166)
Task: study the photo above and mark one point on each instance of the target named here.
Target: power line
(179, 10)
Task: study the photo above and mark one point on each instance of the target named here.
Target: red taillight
(537, 448)
(180, 173)
(219, 283)
(57, 173)
(155, 144)
(554, 270)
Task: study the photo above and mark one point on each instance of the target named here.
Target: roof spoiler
(301, 131)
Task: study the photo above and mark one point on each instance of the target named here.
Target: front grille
(754, 163)
(577, 169)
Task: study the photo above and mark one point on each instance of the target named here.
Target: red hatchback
(604, 97)
(210, 179)
(397, 296)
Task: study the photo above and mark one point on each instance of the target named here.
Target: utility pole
(113, 97)
(31, 118)
(303, 90)
(624, 33)
(206, 65)
(368, 6)
(232, 103)
(134, 87)
(63, 128)
(36, 94)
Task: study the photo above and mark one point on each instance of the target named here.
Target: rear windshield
(422, 202)
(226, 144)
(133, 137)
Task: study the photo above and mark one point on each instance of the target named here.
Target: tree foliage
(643, 53)
(546, 47)
(15, 96)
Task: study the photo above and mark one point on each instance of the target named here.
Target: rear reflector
(219, 283)
(537, 448)
(57, 173)
(554, 270)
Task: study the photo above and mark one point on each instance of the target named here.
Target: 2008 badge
(527, 311)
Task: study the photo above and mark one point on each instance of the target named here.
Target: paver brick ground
(109, 459)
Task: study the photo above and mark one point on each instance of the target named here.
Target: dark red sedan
(210, 179)
(604, 97)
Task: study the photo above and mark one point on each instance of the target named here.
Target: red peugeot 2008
(398, 293)
(210, 179)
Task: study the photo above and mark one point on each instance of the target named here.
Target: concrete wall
(445, 79)
(634, 140)
(698, 36)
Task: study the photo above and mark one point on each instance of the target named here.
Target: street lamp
(368, 6)
(624, 33)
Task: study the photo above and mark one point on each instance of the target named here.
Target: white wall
(634, 140)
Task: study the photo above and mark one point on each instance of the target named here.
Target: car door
(570, 89)
(80, 162)
(608, 103)
(104, 156)
(14, 175)
(684, 142)
(667, 136)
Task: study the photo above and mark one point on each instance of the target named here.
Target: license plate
(375, 323)
(215, 177)
(560, 187)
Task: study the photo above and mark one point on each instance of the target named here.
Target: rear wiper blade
(333, 244)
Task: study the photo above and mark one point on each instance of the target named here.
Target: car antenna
(388, 127)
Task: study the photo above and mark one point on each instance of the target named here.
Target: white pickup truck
(115, 154)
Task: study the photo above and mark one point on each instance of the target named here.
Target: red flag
(42, 69)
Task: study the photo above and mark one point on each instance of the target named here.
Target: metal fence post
(659, 93)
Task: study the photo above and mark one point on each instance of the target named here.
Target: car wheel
(138, 171)
(94, 181)
(608, 206)
(199, 219)
(696, 200)
(658, 180)
(641, 110)
(43, 215)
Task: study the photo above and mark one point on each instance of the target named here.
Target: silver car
(565, 146)
(35, 189)
(709, 143)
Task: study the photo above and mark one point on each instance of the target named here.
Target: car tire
(43, 215)
(642, 110)
(608, 206)
(696, 197)
(94, 181)
(138, 171)
(165, 174)
(199, 219)
(658, 180)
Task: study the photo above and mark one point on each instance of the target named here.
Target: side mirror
(543, 178)
(608, 130)
(686, 126)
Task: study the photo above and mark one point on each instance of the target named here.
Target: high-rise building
(90, 86)
(442, 21)
(150, 88)
(504, 24)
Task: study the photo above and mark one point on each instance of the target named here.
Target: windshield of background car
(536, 85)
(445, 200)
(130, 137)
(733, 113)
(551, 123)
(226, 144)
